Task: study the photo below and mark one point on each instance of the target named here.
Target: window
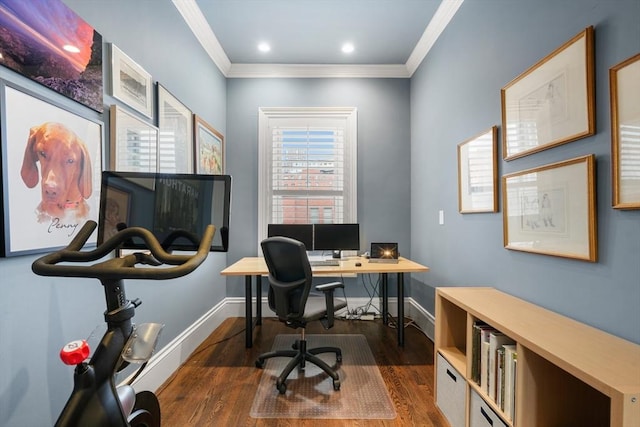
(307, 166)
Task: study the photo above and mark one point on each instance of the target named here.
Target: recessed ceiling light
(264, 47)
(347, 48)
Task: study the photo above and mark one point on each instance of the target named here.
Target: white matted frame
(51, 165)
(208, 146)
(624, 82)
(551, 209)
(134, 143)
(175, 124)
(551, 103)
(478, 173)
(130, 83)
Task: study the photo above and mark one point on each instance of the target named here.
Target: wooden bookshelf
(568, 373)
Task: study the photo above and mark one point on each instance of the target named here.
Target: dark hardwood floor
(216, 385)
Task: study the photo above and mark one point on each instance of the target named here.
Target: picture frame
(29, 41)
(130, 83)
(208, 147)
(175, 124)
(624, 83)
(134, 143)
(478, 173)
(118, 206)
(552, 103)
(551, 209)
(43, 144)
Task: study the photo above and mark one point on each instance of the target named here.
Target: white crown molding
(194, 18)
(196, 21)
(317, 71)
(436, 26)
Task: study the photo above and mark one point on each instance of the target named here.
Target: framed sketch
(551, 103)
(624, 81)
(49, 43)
(130, 83)
(208, 146)
(478, 173)
(552, 209)
(176, 130)
(51, 165)
(134, 143)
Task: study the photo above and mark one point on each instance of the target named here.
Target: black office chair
(290, 281)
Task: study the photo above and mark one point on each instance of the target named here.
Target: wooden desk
(255, 266)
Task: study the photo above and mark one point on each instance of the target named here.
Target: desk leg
(401, 309)
(258, 300)
(248, 332)
(385, 298)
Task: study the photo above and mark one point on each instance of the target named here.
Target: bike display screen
(168, 205)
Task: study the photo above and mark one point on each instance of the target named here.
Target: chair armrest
(329, 286)
(328, 289)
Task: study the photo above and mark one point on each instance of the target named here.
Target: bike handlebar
(120, 268)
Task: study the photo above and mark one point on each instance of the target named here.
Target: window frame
(265, 114)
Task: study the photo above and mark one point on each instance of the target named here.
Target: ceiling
(390, 37)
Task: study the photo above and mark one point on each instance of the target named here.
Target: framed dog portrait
(52, 160)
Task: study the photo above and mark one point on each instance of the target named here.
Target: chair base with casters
(299, 356)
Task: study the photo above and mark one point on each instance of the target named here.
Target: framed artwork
(118, 204)
(208, 146)
(624, 82)
(134, 143)
(478, 173)
(130, 83)
(551, 103)
(176, 134)
(51, 163)
(551, 209)
(65, 57)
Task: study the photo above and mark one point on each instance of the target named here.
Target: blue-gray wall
(383, 155)
(455, 94)
(39, 315)
(408, 132)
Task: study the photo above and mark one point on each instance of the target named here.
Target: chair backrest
(290, 276)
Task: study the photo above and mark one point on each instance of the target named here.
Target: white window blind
(307, 166)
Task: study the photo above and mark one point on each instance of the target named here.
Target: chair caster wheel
(282, 388)
(336, 385)
(259, 364)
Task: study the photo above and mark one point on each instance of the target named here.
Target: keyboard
(324, 263)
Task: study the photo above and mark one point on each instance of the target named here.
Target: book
(477, 328)
(484, 358)
(500, 379)
(496, 340)
(510, 357)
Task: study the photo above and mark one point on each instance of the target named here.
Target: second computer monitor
(336, 237)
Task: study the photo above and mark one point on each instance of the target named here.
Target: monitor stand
(337, 254)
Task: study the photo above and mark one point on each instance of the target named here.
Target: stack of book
(493, 366)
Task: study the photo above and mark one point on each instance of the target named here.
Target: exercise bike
(95, 400)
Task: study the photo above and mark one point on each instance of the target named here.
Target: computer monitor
(300, 232)
(336, 237)
(166, 204)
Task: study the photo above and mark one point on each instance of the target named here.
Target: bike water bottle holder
(142, 343)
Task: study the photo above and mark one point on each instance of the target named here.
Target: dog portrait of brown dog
(65, 171)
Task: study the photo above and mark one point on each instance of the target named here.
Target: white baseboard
(166, 361)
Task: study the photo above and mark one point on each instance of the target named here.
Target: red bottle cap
(75, 352)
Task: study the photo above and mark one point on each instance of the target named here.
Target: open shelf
(567, 373)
